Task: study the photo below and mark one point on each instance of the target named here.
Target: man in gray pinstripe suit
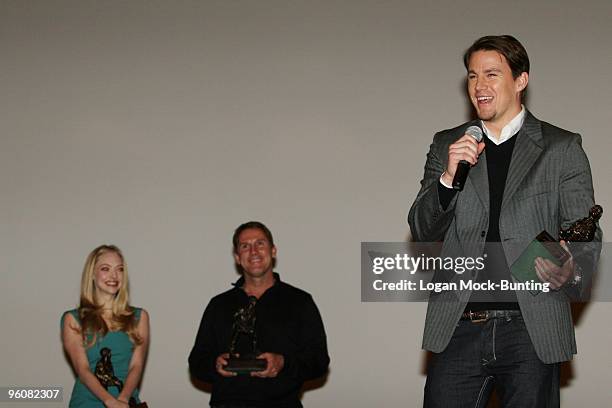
(527, 176)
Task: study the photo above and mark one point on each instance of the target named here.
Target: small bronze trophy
(106, 375)
(546, 246)
(583, 230)
(244, 324)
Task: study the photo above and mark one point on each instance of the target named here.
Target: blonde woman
(105, 332)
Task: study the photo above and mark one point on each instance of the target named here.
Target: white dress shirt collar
(509, 130)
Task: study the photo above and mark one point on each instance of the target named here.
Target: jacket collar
(240, 282)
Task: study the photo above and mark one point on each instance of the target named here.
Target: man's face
(495, 94)
(255, 254)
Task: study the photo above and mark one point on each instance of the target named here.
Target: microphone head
(475, 132)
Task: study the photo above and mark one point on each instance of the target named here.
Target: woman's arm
(73, 344)
(139, 357)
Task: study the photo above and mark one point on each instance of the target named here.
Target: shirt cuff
(443, 183)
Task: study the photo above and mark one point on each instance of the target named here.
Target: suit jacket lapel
(479, 177)
(527, 149)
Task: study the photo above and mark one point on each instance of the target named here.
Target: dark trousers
(480, 356)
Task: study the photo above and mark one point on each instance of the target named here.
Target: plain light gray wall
(161, 125)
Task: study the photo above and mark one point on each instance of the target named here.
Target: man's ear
(521, 81)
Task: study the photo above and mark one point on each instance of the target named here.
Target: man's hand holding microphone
(461, 156)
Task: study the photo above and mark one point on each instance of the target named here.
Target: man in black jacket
(289, 332)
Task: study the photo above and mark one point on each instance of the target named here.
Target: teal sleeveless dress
(121, 353)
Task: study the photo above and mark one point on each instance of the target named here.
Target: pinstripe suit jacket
(548, 186)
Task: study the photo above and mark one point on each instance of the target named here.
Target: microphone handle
(463, 168)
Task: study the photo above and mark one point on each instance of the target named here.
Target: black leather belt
(484, 315)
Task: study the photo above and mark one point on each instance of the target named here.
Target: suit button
(483, 233)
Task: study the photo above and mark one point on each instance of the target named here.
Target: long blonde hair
(90, 312)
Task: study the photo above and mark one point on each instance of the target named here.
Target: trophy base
(245, 365)
(553, 246)
(133, 404)
(543, 246)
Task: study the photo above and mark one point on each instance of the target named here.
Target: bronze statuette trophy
(105, 374)
(583, 230)
(546, 246)
(244, 324)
